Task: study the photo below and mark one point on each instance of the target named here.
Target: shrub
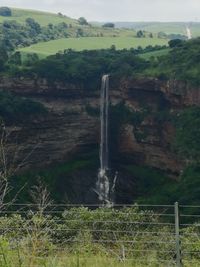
(5, 11)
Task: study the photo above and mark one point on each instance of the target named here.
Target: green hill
(46, 18)
(47, 33)
(43, 18)
(90, 43)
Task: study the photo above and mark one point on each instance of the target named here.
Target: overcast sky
(117, 10)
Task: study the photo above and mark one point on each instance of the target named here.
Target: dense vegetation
(182, 62)
(80, 237)
(188, 133)
(87, 66)
(14, 35)
(13, 108)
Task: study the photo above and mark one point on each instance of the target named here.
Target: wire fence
(141, 235)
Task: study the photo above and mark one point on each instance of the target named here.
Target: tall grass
(80, 237)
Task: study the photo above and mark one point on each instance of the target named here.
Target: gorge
(69, 132)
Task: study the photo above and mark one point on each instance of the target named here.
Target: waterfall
(189, 34)
(104, 124)
(104, 190)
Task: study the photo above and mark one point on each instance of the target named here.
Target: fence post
(177, 233)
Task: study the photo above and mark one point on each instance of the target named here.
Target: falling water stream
(189, 33)
(104, 189)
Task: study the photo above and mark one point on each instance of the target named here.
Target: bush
(108, 25)
(82, 21)
(5, 11)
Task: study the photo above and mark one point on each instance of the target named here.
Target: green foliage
(175, 43)
(35, 27)
(3, 57)
(87, 67)
(13, 108)
(14, 35)
(99, 237)
(187, 139)
(15, 59)
(153, 186)
(59, 179)
(30, 59)
(140, 34)
(188, 191)
(82, 21)
(5, 11)
(108, 25)
(84, 233)
(181, 63)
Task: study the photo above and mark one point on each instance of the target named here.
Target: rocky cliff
(71, 126)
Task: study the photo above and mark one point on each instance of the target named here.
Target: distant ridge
(156, 26)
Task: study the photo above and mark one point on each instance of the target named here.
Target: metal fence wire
(146, 235)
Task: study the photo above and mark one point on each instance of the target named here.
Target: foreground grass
(77, 261)
(80, 237)
(64, 259)
(91, 43)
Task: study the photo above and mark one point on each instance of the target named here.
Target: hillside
(43, 18)
(90, 43)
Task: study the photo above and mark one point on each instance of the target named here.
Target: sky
(116, 10)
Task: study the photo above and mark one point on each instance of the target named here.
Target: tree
(33, 25)
(113, 47)
(79, 32)
(31, 59)
(5, 11)
(16, 58)
(3, 57)
(109, 25)
(175, 43)
(140, 34)
(82, 21)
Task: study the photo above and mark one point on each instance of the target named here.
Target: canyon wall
(70, 129)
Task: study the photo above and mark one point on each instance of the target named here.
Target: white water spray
(189, 34)
(103, 188)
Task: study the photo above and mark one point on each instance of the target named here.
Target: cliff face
(69, 129)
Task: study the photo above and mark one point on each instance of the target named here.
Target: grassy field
(157, 53)
(66, 260)
(90, 43)
(43, 18)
